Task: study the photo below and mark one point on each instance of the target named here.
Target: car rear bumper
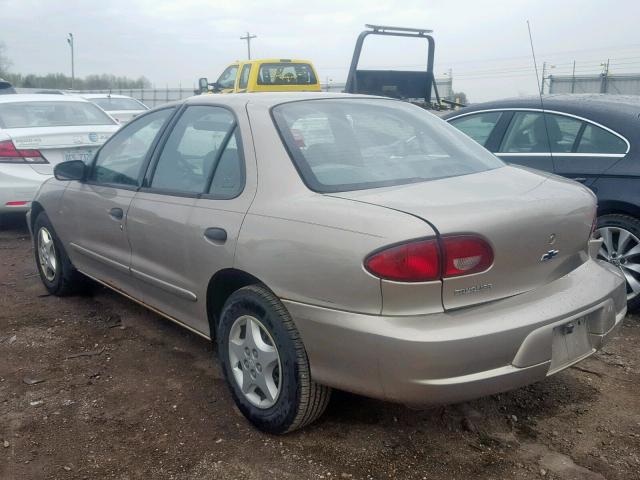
(18, 183)
(466, 353)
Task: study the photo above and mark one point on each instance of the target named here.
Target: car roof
(270, 98)
(273, 60)
(103, 95)
(39, 97)
(563, 102)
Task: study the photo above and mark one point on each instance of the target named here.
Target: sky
(484, 45)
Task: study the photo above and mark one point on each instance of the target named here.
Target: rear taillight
(465, 254)
(410, 262)
(10, 154)
(425, 260)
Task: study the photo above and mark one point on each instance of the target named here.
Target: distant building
(621, 84)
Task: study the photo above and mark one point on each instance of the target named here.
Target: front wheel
(56, 271)
(265, 363)
(621, 247)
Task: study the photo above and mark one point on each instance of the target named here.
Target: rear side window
(121, 159)
(478, 126)
(286, 74)
(228, 176)
(244, 76)
(531, 132)
(111, 104)
(348, 144)
(51, 114)
(597, 140)
(193, 149)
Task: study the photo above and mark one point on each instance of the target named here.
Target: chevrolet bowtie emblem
(549, 255)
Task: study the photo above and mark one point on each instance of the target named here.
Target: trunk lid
(59, 144)
(537, 224)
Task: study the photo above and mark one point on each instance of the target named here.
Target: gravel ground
(96, 387)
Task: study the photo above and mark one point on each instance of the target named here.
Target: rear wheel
(265, 363)
(621, 247)
(55, 269)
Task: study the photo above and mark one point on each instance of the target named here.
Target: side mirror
(203, 83)
(71, 170)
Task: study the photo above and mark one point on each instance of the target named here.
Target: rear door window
(228, 175)
(597, 140)
(193, 149)
(478, 126)
(531, 132)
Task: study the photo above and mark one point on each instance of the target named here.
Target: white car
(38, 131)
(120, 107)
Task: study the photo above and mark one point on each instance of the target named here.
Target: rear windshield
(110, 104)
(352, 144)
(286, 74)
(51, 114)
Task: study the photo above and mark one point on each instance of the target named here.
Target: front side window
(228, 77)
(193, 149)
(597, 140)
(244, 76)
(347, 144)
(121, 159)
(478, 126)
(286, 74)
(51, 114)
(531, 132)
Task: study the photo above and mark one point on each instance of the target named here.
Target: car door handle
(116, 213)
(216, 235)
(579, 179)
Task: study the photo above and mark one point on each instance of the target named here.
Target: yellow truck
(266, 75)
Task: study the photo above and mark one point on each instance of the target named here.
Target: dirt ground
(96, 387)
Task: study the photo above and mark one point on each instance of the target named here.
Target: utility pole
(573, 77)
(605, 77)
(73, 73)
(248, 39)
(544, 67)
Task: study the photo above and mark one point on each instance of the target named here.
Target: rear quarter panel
(309, 247)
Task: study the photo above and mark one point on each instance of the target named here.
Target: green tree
(460, 97)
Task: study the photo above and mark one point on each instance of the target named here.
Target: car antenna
(535, 66)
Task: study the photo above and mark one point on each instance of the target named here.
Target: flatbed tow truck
(412, 86)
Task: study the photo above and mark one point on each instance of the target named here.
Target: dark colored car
(593, 139)
(6, 87)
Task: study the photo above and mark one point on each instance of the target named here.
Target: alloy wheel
(255, 361)
(622, 249)
(47, 254)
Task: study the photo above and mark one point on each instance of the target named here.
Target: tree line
(62, 81)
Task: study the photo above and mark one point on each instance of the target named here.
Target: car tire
(297, 400)
(616, 224)
(57, 273)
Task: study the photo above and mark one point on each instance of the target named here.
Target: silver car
(120, 107)
(329, 240)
